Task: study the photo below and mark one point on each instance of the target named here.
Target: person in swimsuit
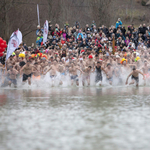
(145, 70)
(73, 73)
(27, 72)
(86, 75)
(110, 72)
(61, 69)
(37, 72)
(135, 76)
(99, 70)
(53, 71)
(12, 75)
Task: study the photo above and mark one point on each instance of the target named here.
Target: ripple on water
(83, 119)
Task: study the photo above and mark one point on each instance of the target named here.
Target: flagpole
(38, 15)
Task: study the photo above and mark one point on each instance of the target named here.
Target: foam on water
(47, 82)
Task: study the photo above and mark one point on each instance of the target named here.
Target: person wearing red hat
(90, 61)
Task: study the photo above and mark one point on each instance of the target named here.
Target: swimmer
(145, 69)
(109, 70)
(73, 74)
(53, 71)
(37, 71)
(12, 75)
(90, 61)
(86, 75)
(135, 76)
(99, 70)
(61, 69)
(27, 72)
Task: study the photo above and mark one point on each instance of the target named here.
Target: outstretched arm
(93, 69)
(47, 71)
(80, 71)
(104, 70)
(142, 74)
(22, 69)
(128, 77)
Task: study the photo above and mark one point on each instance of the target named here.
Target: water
(75, 118)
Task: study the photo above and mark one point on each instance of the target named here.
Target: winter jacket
(118, 23)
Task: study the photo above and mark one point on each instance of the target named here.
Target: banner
(14, 42)
(45, 34)
(38, 14)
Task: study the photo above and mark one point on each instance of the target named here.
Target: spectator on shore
(118, 23)
(39, 31)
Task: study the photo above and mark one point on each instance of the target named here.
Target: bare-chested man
(86, 75)
(90, 61)
(135, 76)
(145, 69)
(44, 64)
(27, 72)
(10, 62)
(81, 63)
(37, 72)
(61, 69)
(12, 75)
(53, 71)
(110, 71)
(73, 73)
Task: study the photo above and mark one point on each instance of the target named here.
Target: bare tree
(101, 12)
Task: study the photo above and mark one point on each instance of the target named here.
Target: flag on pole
(14, 42)
(45, 34)
(38, 14)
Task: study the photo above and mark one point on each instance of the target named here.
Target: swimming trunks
(52, 76)
(135, 78)
(146, 75)
(36, 77)
(98, 77)
(85, 77)
(14, 81)
(63, 73)
(25, 76)
(74, 77)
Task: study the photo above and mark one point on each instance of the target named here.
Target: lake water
(75, 118)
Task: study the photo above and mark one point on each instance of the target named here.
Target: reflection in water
(89, 118)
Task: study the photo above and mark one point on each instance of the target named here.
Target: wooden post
(113, 45)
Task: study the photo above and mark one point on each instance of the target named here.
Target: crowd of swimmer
(78, 53)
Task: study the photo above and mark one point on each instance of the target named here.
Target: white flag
(38, 14)
(45, 34)
(14, 42)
